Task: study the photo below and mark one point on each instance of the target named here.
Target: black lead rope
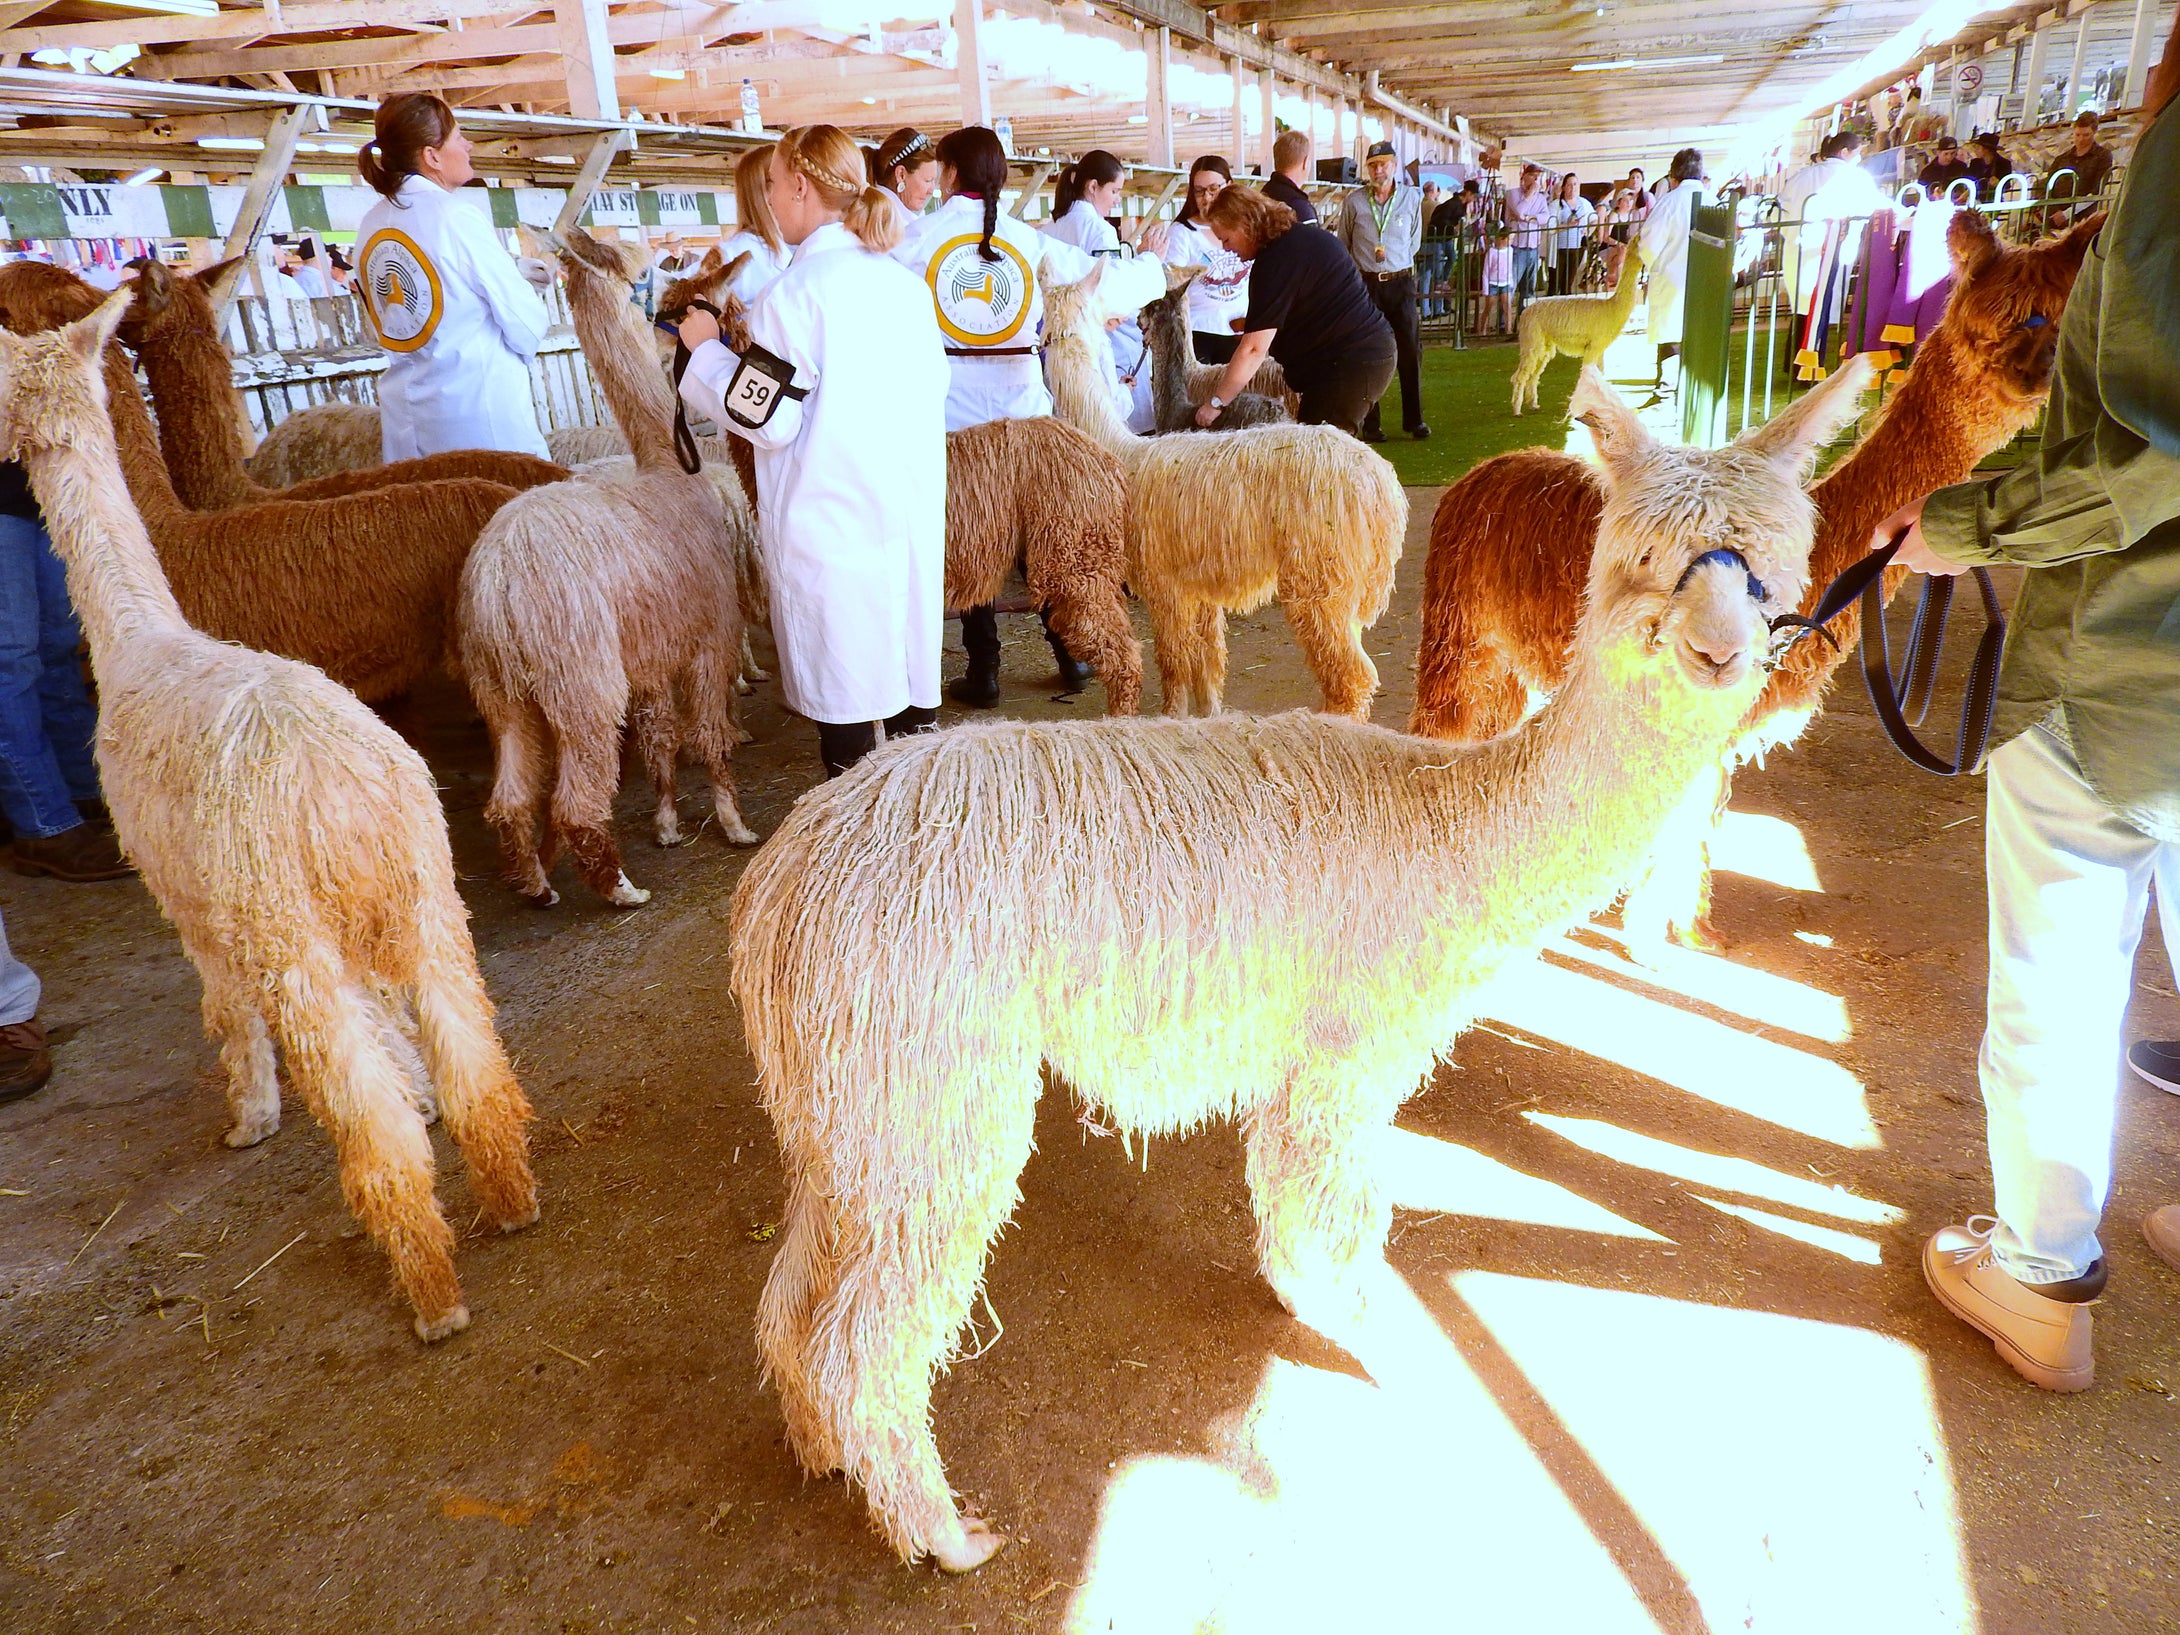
(686, 453)
(1903, 696)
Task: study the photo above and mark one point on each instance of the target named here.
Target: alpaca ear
(216, 282)
(1179, 278)
(154, 288)
(87, 336)
(2069, 247)
(1620, 436)
(1797, 432)
(538, 242)
(711, 262)
(1972, 242)
(732, 269)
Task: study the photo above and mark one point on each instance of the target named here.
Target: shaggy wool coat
(855, 546)
(461, 340)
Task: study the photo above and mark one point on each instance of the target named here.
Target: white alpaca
(296, 843)
(1285, 921)
(1217, 523)
(607, 597)
(1583, 326)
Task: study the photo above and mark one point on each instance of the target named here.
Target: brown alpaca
(1043, 496)
(1511, 541)
(173, 328)
(358, 586)
(296, 843)
(607, 599)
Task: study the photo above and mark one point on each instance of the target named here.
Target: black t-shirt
(1281, 189)
(15, 496)
(1941, 174)
(1305, 286)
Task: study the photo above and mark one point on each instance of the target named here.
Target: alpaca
(296, 843)
(1202, 379)
(1166, 342)
(1043, 496)
(173, 327)
(609, 597)
(357, 585)
(319, 440)
(1510, 542)
(1285, 921)
(1305, 512)
(1584, 326)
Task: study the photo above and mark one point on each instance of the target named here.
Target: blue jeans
(1525, 272)
(18, 986)
(1430, 266)
(46, 718)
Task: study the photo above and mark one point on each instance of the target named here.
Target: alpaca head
(1072, 309)
(36, 296)
(1699, 549)
(170, 304)
(2002, 324)
(1171, 309)
(51, 383)
(710, 281)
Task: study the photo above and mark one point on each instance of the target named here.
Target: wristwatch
(1214, 401)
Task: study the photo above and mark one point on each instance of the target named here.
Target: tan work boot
(2046, 1341)
(2162, 1228)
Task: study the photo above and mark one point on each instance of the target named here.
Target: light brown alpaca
(1199, 380)
(1584, 326)
(173, 328)
(1284, 922)
(1217, 523)
(1042, 496)
(320, 440)
(1510, 542)
(602, 600)
(359, 585)
(296, 843)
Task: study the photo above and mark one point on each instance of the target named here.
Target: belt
(1387, 278)
(991, 351)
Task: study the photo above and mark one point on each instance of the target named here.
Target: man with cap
(1528, 214)
(1382, 227)
(1945, 169)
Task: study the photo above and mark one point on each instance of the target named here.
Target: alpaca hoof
(753, 673)
(515, 1223)
(249, 1132)
(972, 1542)
(669, 835)
(742, 735)
(741, 684)
(627, 894)
(438, 1328)
(737, 832)
(540, 899)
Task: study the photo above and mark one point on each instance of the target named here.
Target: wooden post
(595, 164)
(2138, 52)
(2074, 74)
(1157, 103)
(586, 50)
(1031, 191)
(2032, 92)
(1267, 83)
(976, 92)
(1241, 139)
(257, 198)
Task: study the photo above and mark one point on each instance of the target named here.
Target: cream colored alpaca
(604, 599)
(296, 843)
(319, 440)
(1583, 326)
(1218, 523)
(1285, 921)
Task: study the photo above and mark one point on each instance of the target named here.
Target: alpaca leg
(658, 738)
(522, 752)
(1096, 631)
(713, 727)
(904, 1254)
(332, 1030)
(235, 1016)
(1331, 642)
(1172, 629)
(1672, 902)
(1207, 652)
(1482, 700)
(582, 808)
(805, 1272)
(484, 1107)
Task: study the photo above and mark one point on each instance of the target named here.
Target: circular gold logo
(980, 303)
(401, 290)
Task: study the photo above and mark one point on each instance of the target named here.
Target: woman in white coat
(447, 302)
(1220, 298)
(842, 395)
(1662, 246)
(758, 236)
(906, 165)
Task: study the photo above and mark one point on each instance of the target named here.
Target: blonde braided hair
(828, 156)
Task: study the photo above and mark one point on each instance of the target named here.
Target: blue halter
(1725, 557)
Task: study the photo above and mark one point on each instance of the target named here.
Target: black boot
(978, 688)
(1074, 674)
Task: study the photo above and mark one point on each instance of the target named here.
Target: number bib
(760, 380)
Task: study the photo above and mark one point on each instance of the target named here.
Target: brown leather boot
(83, 853)
(25, 1064)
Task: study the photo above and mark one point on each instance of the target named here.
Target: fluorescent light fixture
(142, 178)
(1646, 62)
(237, 144)
(667, 73)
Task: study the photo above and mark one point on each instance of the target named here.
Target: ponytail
(404, 126)
(874, 216)
(1095, 168)
(834, 166)
(979, 164)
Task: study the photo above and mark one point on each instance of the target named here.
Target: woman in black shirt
(1307, 308)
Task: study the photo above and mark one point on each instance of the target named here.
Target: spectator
(341, 272)
(2080, 171)
(1945, 168)
(1572, 218)
(2084, 788)
(1663, 249)
(1464, 206)
(1643, 197)
(1816, 198)
(1617, 224)
(308, 272)
(1431, 255)
(1528, 216)
(1382, 226)
(1988, 163)
(1290, 168)
(25, 1063)
(1307, 308)
(1499, 285)
(1219, 299)
(48, 781)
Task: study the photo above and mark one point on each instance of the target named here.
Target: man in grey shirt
(1382, 227)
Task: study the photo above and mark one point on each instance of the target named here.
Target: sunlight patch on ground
(1425, 1173)
(1764, 848)
(1844, 1244)
(1757, 996)
(1715, 1170)
(1793, 1470)
(1787, 1087)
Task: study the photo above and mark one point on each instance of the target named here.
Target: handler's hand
(1206, 415)
(696, 328)
(1915, 552)
(1153, 238)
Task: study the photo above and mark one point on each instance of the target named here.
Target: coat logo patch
(401, 290)
(980, 303)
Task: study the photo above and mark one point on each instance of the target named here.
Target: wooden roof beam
(248, 22)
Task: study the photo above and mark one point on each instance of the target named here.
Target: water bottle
(1003, 128)
(752, 122)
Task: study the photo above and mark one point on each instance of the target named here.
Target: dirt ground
(1658, 1355)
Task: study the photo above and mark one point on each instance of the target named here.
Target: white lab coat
(1092, 234)
(988, 312)
(851, 480)
(765, 265)
(460, 323)
(1662, 246)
